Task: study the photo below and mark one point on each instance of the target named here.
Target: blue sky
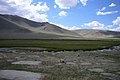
(69, 14)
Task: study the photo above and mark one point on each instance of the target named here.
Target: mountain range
(16, 27)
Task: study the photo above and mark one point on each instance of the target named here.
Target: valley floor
(62, 65)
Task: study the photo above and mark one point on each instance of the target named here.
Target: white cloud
(60, 25)
(74, 28)
(102, 9)
(112, 5)
(55, 6)
(116, 21)
(62, 13)
(115, 29)
(94, 25)
(25, 8)
(66, 4)
(100, 12)
(66, 27)
(109, 26)
(106, 13)
(43, 7)
(84, 2)
(115, 26)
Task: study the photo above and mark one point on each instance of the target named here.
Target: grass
(115, 57)
(7, 65)
(57, 45)
(70, 73)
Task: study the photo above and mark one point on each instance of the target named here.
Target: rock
(108, 74)
(118, 72)
(23, 53)
(96, 70)
(106, 61)
(27, 62)
(1, 58)
(62, 61)
(70, 63)
(59, 64)
(85, 64)
(78, 55)
(111, 76)
(19, 58)
(53, 54)
(116, 47)
(10, 60)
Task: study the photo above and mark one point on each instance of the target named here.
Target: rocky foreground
(38, 64)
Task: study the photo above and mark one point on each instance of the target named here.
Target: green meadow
(57, 45)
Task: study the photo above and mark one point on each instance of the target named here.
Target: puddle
(19, 75)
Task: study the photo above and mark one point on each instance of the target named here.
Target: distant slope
(14, 26)
(8, 27)
(36, 27)
(91, 33)
(53, 29)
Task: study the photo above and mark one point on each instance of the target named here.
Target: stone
(70, 63)
(108, 74)
(96, 70)
(85, 64)
(27, 62)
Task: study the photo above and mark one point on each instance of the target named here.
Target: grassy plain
(57, 45)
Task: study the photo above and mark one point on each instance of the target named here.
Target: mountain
(12, 26)
(92, 33)
(7, 26)
(15, 27)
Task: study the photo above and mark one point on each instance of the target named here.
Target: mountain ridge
(13, 25)
(91, 33)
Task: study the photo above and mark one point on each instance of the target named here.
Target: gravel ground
(34, 64)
